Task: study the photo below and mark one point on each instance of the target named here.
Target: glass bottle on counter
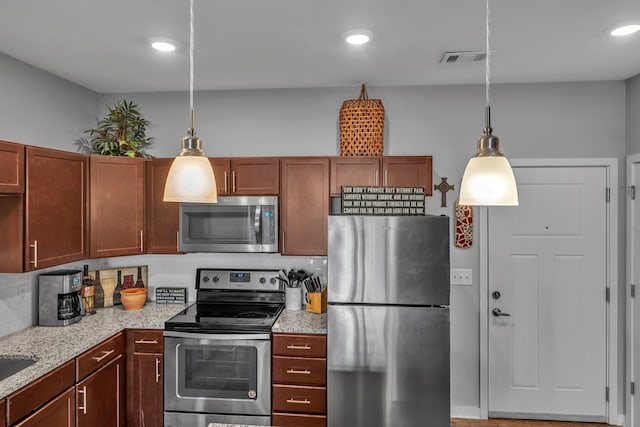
(139, 281)
(116, 292)
(87, 292)
(98, 291)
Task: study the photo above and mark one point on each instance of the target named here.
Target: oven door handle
(216, 336)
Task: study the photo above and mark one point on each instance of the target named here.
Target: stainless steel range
(218, 351)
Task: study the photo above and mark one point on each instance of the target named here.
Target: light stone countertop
(300, 322)
(54, 345)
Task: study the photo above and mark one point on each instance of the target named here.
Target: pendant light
(191, 177)
(488, 179)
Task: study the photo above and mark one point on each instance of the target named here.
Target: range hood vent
(463, 57)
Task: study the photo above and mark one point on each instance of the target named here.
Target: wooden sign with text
(383, 200)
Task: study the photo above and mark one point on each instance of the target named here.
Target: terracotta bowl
(133, 298)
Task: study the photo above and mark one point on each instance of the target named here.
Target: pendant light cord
(488, 58)
(191, 66)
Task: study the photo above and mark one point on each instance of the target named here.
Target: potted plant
(122, 132)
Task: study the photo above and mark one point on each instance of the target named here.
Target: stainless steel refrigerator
(388, 321)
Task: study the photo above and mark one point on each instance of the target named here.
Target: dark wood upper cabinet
(247, 176)
(304, 205)
(407, 171)
(11, 167)
(55, 208)
(161, 217)
(222, 172)
(116, 194)
(360, 171)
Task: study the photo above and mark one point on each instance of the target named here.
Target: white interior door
(548, 264)
(633, 273)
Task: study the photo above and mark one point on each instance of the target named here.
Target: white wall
(633, 115)
(532, 120)
(41, 109)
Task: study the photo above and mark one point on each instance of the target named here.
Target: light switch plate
(461, 276)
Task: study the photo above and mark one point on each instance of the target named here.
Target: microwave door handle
(258, 224)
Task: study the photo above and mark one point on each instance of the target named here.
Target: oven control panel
(249, 280)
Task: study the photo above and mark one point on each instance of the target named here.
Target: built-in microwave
(234, 224)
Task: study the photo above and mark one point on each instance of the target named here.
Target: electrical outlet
(461, 276)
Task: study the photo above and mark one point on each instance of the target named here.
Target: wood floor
(494, 422)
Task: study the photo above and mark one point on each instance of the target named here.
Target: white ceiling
(242, 44)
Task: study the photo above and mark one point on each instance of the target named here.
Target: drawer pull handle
(299, 347)
(301, 402)
(297, 371)
(146, 341)
(104, 354)
(83, 408)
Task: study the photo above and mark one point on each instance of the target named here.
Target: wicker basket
(361, 126)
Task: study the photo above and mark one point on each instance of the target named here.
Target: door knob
(496, 295)
(497, 313)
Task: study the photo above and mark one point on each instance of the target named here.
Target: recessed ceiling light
(625, 30)
(358, 37)
(162, 44)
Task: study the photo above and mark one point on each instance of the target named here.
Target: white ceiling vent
(463, 57)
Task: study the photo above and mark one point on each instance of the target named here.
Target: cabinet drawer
(39, 392)
(299, 370)
(60, 412)
(306, 399)
(99, 356)
(298, 420)
(145, 340)
(300, 345)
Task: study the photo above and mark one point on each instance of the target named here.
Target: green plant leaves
(122, 132)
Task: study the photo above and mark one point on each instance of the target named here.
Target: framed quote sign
(383, 200)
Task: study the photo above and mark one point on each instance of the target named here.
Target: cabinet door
(12, 232)
(255, 176)
(60, 412)
(146, 391)
(100, 397)
(162, 217)
(117, 206)
(11, 167)
(222, 172)
(360, 171)
(304, 205)
(408, 171)
(55, 208)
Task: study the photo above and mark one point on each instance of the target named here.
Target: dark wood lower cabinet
(100, 397)
(298, 420)
(145, 380)
(146, 393)
(60, 412)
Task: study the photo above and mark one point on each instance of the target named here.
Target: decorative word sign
(383, 200)
(171, 295)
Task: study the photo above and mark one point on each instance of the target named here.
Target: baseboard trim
(471, 412)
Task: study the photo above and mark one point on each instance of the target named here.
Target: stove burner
(252, 315)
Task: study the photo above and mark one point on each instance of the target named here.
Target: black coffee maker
(60, 302)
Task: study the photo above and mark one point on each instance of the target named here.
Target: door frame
(611, 167)
(631, 228)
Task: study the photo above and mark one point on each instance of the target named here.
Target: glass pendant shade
(488, 178)
(191, 178)
(488, 181)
